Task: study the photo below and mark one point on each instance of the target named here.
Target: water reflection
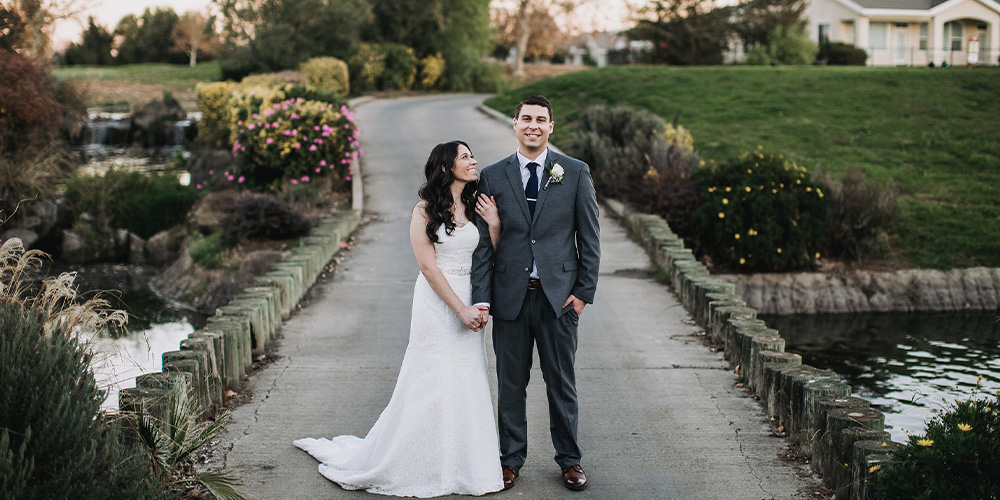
(908, 365)
(155, 325)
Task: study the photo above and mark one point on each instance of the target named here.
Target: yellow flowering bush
(431, 70)
(328, 73)
(213, 102)
(760, 213)
(679, 137)
(957, 457)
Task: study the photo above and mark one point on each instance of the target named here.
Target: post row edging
(843, 435)
(216, 357)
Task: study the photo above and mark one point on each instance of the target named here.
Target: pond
(908, 365)
(155, 325)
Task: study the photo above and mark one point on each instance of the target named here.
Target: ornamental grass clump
(294, 140)
(958, 457)
(760, 213)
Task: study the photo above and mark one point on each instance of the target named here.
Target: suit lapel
(513, 169)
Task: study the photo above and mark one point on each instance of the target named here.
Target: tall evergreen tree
(94, 47)
(684, 32)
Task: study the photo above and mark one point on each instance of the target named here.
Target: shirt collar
(525, 161)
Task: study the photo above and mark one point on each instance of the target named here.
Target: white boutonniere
(555, 174)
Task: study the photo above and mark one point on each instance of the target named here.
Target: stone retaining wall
(973, 289)
(843, 435)
(216, 357)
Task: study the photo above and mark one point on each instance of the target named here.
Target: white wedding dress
(437, 436)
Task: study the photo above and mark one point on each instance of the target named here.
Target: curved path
(660, 416)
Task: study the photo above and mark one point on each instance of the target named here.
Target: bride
(437, 436)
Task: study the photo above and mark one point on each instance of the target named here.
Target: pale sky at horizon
(599, 14)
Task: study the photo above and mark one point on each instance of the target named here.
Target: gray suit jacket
(563, 238)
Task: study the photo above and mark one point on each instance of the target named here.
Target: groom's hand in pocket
(578, 304)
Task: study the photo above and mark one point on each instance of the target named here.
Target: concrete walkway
(660, 417)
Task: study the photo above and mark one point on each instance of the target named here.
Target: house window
(952, 35)
(878, 36)
(824, 33)
(923, 36)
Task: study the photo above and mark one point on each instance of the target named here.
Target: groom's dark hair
(535, 100)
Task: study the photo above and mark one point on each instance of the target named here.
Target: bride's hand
(471, 317)
(486, 207)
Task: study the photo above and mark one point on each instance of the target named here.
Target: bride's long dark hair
(436, 189)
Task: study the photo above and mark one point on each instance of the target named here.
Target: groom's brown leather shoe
(574, 478)
(509, 473)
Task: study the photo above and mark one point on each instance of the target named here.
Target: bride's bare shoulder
(420, 209)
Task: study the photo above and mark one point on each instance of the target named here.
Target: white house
(910, 32)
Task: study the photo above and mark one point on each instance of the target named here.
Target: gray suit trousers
(513, 343)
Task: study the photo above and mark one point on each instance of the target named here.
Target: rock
(163, 246)
(207, 217)
(73, 248)
(28, 237)
(258, 262)
(148, 123)
(208, 167)
(136, 249)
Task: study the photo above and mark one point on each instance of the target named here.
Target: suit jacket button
(532, 242)
(526, 269)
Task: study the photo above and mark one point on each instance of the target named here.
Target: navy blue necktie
(531, 190)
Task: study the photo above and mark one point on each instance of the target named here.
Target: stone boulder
(163, 247)
(208, 215)
(208, 166)
(148, 122)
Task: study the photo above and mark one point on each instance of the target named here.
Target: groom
(537, 283)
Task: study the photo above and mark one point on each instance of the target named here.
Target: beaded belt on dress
(461, 271)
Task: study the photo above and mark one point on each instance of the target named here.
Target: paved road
(660, 416)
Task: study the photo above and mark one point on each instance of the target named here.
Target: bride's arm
(423, 249)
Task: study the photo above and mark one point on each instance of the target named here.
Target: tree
(546, 36)
(39, 15)
(193, 33)
(94, 48)
(757, 19)
(525, 24)
(126, 37)
(11, 28)
(465, 38)
(684, 32)
(148, 38)
(414, 23)
(270, 35)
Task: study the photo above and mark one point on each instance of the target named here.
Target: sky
(594, 15)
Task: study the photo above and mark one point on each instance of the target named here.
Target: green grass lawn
(936, 131)
(137, 83)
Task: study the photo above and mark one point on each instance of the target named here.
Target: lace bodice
(453, 253)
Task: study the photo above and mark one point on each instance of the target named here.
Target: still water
(155, 325)
(908, 365)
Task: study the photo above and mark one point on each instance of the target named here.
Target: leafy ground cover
(932, 129)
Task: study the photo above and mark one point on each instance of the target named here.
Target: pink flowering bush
(297, 140)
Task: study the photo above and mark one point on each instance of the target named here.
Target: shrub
(760, 213)
(206, 251)
(860, 212)
(400, 67)
(213, 102)
(327, 73)
(957, 457)
(56, 443)
(239, 62)
(279, 79)
(837, 53)
(432, 68)
(29, 114)
(27, 174)
(785, 45)
(297, 140)
(261, 216)
(366, 67)
(615, 142)
(310, 93)
(144, 204)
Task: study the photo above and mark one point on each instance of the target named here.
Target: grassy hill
(936, 131)
(136, 84)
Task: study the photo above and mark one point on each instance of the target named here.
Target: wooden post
(821, 408)
(812, 427)
(860, 465)
(837, 471)
(776, 358)
(760, 344)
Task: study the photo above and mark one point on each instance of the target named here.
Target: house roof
(899, 4)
